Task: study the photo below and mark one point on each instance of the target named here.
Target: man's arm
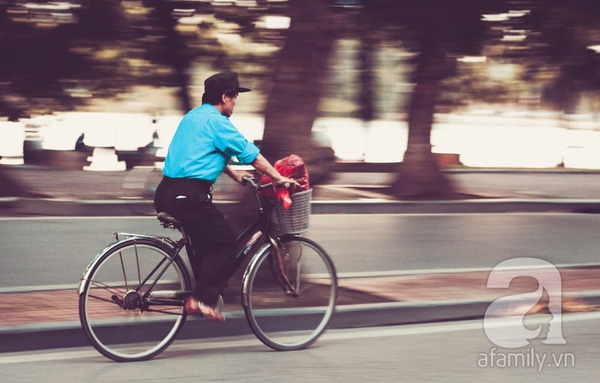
(261, 164)
(237, 176)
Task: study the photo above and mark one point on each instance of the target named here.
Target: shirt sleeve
(231, 142)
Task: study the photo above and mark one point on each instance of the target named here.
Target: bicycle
(132, 293)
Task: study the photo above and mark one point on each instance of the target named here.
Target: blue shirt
(203, 145)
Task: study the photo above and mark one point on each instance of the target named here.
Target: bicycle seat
(168, 220)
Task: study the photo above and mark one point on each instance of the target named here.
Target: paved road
(55, 251)
(445, 352)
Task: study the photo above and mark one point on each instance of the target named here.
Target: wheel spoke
(307, 301)
(137, 261)
(119, 322)
(179, 313)
(105, 300)
(123, 269)
(108, 288)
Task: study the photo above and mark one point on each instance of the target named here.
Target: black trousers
(213, 240)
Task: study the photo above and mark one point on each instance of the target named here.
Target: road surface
(444, 352)
(55, 251)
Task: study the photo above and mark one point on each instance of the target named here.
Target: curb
(65, 207)
(492, 205)
(70, 334)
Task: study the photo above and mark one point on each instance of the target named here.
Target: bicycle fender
(250, 266)
(108, 248)
(254, 260)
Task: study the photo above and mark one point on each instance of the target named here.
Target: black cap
(220, 83)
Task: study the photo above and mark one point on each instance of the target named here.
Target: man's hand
(285, 181)
(240, 175)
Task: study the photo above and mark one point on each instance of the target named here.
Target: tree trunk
(175, 52)
(293, 103)
(10, 187)
(419, 176)
(367, 82)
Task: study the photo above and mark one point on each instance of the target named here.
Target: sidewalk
(49, 319)
(63, 192)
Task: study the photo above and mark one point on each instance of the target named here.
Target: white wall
(480, 140)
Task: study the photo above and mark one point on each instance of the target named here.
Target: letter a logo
(510, 332)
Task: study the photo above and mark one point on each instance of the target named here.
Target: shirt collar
(211, 109)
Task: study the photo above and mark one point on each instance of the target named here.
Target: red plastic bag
(293, 167)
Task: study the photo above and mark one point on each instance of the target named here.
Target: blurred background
(408, 88)
(452, 108)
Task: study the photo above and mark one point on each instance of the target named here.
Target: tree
(293, 101)
(439, 32)
(38, 59)
(546, 43)
(562, 34)
(172, 50)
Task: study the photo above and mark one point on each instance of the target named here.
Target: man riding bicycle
(199, 152)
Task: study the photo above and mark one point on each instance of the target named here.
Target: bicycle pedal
(169, 294)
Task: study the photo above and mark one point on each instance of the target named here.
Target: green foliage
(61, 56)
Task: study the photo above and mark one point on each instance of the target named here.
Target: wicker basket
(295, 220)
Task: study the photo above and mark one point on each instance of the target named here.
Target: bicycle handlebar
(258, 186)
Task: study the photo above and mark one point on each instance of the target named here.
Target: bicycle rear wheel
(120, 322)
(290, 316)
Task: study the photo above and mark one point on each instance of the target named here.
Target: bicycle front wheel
(121, 321)
(289, 293)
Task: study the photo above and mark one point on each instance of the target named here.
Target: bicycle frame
(256, 234)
